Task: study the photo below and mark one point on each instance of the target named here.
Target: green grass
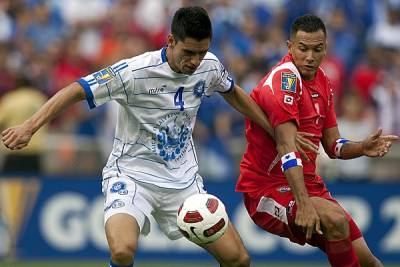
(153, 264)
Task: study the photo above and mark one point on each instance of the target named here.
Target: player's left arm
(375, 145)
(243, 103)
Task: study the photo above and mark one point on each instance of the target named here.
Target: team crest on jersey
(104, 76)
(172, 137)
(288, 82)
(199, 88)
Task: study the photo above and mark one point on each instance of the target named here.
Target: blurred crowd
(47, 44)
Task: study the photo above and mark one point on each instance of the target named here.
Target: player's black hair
(307, 23)
(192, 22)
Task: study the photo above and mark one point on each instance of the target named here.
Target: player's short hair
(307, 23)
(192, 22)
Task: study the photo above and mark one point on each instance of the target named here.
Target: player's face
(185, 56)
(308, 49)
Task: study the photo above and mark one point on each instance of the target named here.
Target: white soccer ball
(202, 218)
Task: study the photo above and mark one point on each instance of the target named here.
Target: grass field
(156, 264)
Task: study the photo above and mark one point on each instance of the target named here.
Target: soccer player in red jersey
(282, 194)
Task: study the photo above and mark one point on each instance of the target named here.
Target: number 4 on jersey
(178, 98)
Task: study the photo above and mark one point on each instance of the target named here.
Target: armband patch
(338, 146)
(104, 76)
(291, 160)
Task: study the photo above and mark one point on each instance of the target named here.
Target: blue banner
(63, 218)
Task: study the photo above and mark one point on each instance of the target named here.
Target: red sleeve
(278, 96)
(331, 115)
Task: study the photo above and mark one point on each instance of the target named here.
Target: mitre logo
(157, 90)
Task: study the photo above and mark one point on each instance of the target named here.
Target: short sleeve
(222, 82)
(279, 96)
(111, 83)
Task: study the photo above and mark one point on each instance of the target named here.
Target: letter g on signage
(68, 221)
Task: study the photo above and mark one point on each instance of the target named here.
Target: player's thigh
(364, 254)
(165, 215)
(229, 247)
(125, 213)
(328, 209)
(122, 232)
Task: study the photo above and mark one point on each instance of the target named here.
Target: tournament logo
(199, 88)
(288, 82)
(17, 199)
(104, 76)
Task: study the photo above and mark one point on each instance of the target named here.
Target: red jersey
(284, 96)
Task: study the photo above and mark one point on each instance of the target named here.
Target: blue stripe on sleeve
(230, 88)
(120, 68)
(88, 92)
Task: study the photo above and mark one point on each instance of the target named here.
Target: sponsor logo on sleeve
(288, 99)
(288, 82)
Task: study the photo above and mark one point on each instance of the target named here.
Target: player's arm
(376, 145)
(243, 103)
(306, 216)
(19, 136)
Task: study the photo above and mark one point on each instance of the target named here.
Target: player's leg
(122, 232)
(364, 254)
(336, 230)
(229, 250)
(126, 213)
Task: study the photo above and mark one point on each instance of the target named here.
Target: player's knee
(122, 253)
(335, 225)
(244, 260)
(241, 260)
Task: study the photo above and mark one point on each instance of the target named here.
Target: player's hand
(378, 145)
(16, 137)
(308, 219)
(302, 144)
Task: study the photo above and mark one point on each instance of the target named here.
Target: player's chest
(313, 106)
(175, 95)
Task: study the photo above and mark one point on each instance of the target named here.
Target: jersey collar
(164, 54)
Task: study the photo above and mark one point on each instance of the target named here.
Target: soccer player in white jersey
(153, 166)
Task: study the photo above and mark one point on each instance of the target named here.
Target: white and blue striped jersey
(157, 112)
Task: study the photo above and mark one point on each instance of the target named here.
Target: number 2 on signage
(178, 99)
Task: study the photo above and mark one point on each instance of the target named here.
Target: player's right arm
(18, 137)
(306, 215)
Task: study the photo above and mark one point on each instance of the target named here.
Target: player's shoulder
(324, 80)
(322, 76)
(143, 61)
(284, 75)
(211, 59)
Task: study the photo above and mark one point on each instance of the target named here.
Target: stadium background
(50, 202)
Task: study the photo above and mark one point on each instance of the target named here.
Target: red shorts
(274, 210)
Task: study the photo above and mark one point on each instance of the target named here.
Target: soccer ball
(202, 218)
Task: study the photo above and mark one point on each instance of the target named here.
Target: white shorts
(142, 200)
